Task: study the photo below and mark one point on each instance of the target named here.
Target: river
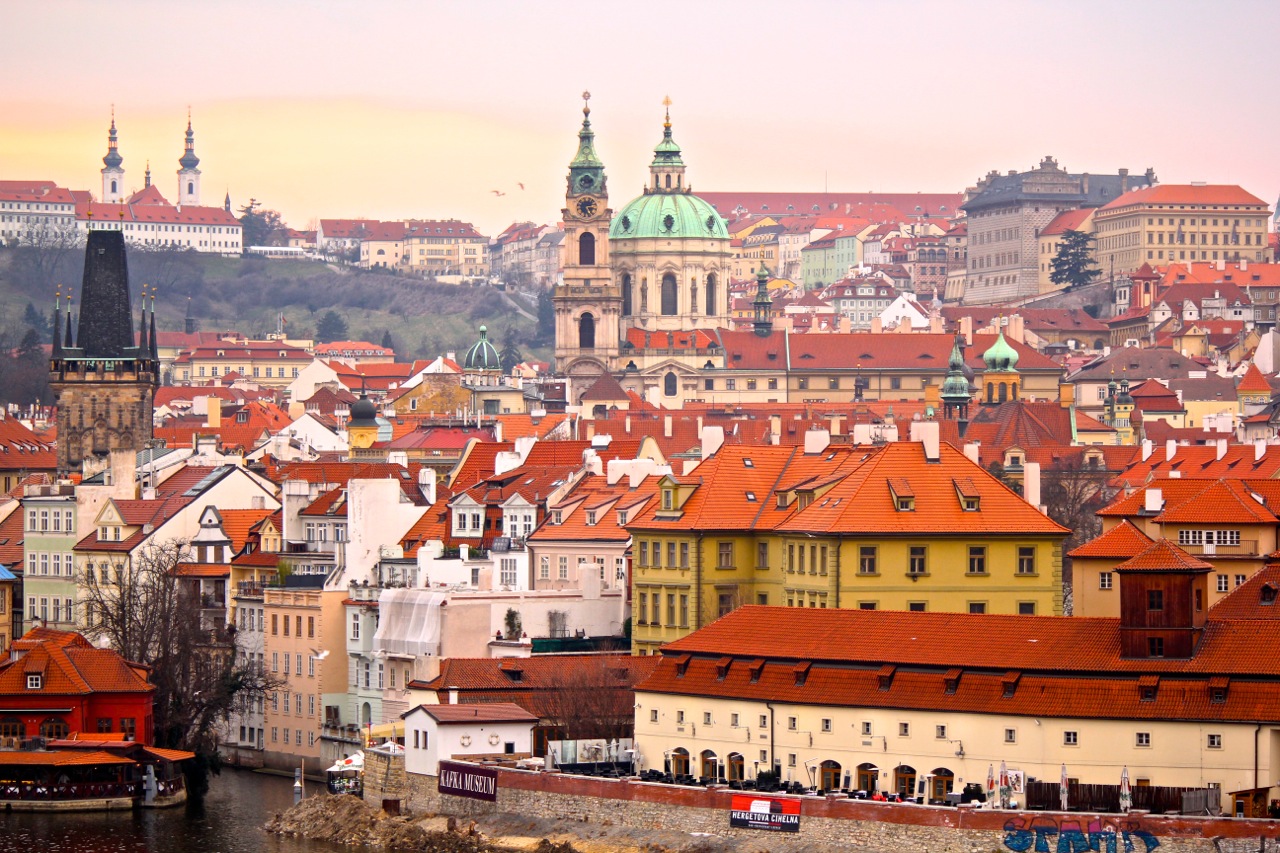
(228, 821)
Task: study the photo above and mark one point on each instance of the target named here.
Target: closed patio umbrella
(991, 786)
(1126, 794)
(1004, 786)
(1062, 789)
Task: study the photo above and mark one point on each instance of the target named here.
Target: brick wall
(833, 820)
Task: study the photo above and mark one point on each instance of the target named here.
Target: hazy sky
(420, 109)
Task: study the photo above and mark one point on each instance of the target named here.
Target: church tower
(588, 304)
(112, 173)
(189, 175)
(103, 382)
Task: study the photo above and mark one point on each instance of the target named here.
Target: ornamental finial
(666, 102)
(586, 107)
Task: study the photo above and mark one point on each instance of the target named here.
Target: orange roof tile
(1164, 556)
(60, 758)
(1120, 542)
(1218, 194)
(1254, 382)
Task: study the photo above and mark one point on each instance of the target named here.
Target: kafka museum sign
(767, 813)
(468, 780)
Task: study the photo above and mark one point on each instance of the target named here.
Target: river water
(229, 820)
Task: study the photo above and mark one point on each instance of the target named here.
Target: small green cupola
(763, 304)
(483, 355)
(1000, 379)
(1001, 356)
(586, 172)
(955, 388)
(666, 172)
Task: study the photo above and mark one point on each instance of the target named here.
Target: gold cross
(666, 102)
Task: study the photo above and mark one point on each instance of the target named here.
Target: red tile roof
(1247, 601)
(1067, 220)
(70, 665)
(1253, 382)
(1164, 556)
(1178, 194)
(488, 712)
(1123, 541)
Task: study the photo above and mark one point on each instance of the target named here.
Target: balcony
(1245, 548)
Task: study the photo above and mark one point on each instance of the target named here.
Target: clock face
(587, 207)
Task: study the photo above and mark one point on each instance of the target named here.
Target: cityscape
(719, 463)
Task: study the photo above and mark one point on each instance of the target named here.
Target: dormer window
(591, 517)
(906, 504)
(556, 517)
(970, 504)
(35, 681)
(668, 499)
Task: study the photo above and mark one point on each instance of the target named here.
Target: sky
(419, 109)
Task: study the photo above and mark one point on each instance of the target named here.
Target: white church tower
(189, 175)
(112, 173)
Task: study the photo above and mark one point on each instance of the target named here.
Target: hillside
(425, 319)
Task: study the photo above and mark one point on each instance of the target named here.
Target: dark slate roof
(106, 329)
(1002, 189)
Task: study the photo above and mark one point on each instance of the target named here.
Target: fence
(1045, 796)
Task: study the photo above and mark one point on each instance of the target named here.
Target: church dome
(363, 413)
(668, 215)
(1001, 356)
(482, 355)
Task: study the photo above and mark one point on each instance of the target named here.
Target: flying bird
(520, 185)
(497, 192)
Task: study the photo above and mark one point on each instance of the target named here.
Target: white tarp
(408, 622)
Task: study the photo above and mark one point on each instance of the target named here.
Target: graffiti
(1073, 835)
(1261, 844)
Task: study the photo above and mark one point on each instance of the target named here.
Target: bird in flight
(520, 185)
(497, 192)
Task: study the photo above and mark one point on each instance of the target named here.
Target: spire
(57, 323)
(226, 203)
(105, 327)
(189, 160)
(148, 175)
(153, 344)
(66, 339)
(113, 158)
(955, 388)
(142, 320)
(586, 172)
(667, 169)
(763, 304)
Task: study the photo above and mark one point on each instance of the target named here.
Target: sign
(768, 813)
(468, 780)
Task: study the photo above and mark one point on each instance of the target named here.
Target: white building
(439, 732)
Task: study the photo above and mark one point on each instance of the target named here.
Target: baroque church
(658, 267)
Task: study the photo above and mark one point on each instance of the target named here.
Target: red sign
(773, 814)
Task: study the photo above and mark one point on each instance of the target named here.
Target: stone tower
(112, 171)
(103, 382)
(189, 175)
(588, 304)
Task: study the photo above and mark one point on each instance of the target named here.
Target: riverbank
(346, 820)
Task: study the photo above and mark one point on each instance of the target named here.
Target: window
(904, 730)
(706, 718)
(35, 681)
(1104, 580)
(1155, 599)
(1143, 739)
(1215, 742)
(642, 609)
(1026, 608)
(1070, 738)
(562, 568)
(867, 560)
(684, 555)
(940, 732)
(544, 564)
(1026, 560)
(916, 562)
(762, 555)
(1010, 735)
(977, 559)
(644, 557)
(764, 721)
(684, 610)
(977, 607)
(1240, 579)
(733, 720)
(671, 554)
(1155, 647)
(355, 625)
(792, 723)
(725, 556)
(791, 759)
(680, 718)
(275, 661)
(866, 728)
(1224, 583)
(653, 715)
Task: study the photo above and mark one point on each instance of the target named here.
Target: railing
(67, 791)
(1245, 548)
(1157, 799)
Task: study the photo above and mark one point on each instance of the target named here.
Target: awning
(384, 731)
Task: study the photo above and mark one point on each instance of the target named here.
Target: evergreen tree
(1074, 265)
(331, 328)
(546, 318)
(42, 325)
(510, 354)
(387, 341)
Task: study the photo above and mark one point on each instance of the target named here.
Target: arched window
(710, 765)
(669, 385)
(53, 728)
(191, 187)
(668, 182)
(670, 296)
(626, 296)
(736, 767)
(678, 762)
(904, 779)
(586, 332)
(12, 727)
(991, 392)
(710, 302)
(830, 776)
(942, 783)
(113, 188)
(587, 249)
(868, 777)
(1004, 392)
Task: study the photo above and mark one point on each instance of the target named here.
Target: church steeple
(666, 172)
(586, 172)
(763, 304)
(189, 175)
(955, 388)
(112, 172)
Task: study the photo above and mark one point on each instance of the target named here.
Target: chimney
(1222, 448)
(627, 422)
(1147, 447)
(1031, 483)
(666, 426)
(837, 424)
(816, 441)
(971, 452)
(453, 696)
(712, 439)
(213, 418)
(775, 428)
(427, 484)
(926, 432)
(1170, 448)
(1153, 501)
(1124, 180)
(1259, 449)
(258, 502)
(591, 430)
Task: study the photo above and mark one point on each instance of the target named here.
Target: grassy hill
(247, 294)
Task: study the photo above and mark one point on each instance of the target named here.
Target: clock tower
(588, 304)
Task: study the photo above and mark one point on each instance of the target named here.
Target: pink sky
(391, 110)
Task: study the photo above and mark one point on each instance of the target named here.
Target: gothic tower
(189, 175)
(103, 382)
(112, 173)
(588, 304)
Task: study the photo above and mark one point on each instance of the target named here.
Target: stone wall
(836, 821)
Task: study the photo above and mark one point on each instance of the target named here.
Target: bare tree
(145, 611)
(1073, 491)
(595, 699)
(44, 253)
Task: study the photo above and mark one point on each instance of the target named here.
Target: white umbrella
(991, 786)
(1126, 795)
(336, 768)
(1004, 786)
(1062, 789)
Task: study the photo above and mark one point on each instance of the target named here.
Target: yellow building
(446, 247)
(1050, 241)
(904, 526)
(272, 364)
(1177, 223)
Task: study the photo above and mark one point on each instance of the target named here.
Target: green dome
(668, 215)
(955, 388)
(482, 355)
(1001, 357)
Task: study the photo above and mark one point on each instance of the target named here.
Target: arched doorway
(829, 775)
(904, 780)
(710, 765)
(587, 249)
(670, 296)
(54, 729)
(868, 777)
(626, 296)
(941, 784)
(669, 384)
(736, 767)
(586, 332)
(709, 304)
(679, 762)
